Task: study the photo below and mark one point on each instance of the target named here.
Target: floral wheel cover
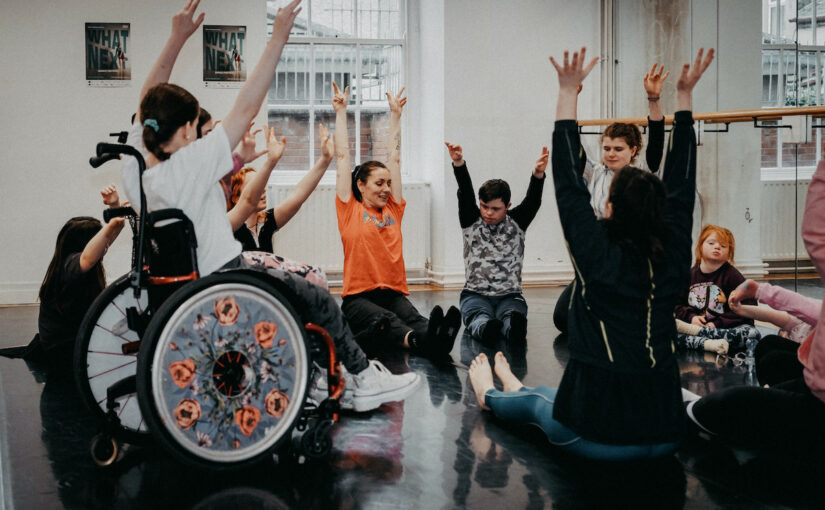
(229, 372)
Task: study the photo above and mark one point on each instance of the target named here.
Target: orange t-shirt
(373, 248)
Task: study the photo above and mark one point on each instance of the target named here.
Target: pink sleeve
(813, 234)
(804, 308)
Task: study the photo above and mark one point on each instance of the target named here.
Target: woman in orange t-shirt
(375, 282)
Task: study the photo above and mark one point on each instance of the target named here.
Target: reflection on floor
(436, 450)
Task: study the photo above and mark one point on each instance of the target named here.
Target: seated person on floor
(704, 318)
(492, 304)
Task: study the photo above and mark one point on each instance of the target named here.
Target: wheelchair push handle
(96, 161)
(118, 212)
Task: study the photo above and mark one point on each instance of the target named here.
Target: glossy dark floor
(436, 450)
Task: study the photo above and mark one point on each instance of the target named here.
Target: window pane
(294, 126)
(375, 131)
(769, 145)
(332, 18)
(333, 63)
(789, 70)
(770, 78)
(380, 73)
(291, 82)
(327, 118)
(803, 21)
(379, 19)
(300, 27)
(807, 78)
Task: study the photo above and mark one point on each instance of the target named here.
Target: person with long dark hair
(370, 206)
(620, 396)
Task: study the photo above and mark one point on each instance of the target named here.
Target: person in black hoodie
(620, 395)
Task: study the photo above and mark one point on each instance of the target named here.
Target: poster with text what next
(223, 53)
(107, 51)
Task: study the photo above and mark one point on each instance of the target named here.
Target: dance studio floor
(435, 450)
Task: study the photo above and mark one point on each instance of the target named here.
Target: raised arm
(284, 211)
(524, 213)
(252, 94)
(582, 231)
(653, 82)
(183, 26)
(96, 248)
(343, 178)
(252, 190)
(680, 164)
(468, 211)
(397, 103)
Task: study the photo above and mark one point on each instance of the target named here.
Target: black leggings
(362, 310)
(785, 416)
(776, 360)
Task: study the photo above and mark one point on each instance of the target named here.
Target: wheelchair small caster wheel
(104, 450)
(317, 441)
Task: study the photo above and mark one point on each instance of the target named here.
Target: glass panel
(807, 78)
(333, 63)
(375, 132)
(327, 118)
(769, 145)
(379, 19)
(291, 82)
(770, 78)
(300, 27)
(788, 62)
(802, 17)
(380, 73)
(294, 126)
(332, 18)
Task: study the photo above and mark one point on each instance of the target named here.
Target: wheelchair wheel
(99, 361)
(223, 371)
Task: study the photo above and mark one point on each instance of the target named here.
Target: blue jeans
(476, 310)
(535, 406)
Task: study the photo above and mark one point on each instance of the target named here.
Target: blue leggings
(535, 406)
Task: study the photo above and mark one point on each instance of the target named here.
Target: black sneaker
(490, 332)
(435, 322)
(449, 329)
(518, 327)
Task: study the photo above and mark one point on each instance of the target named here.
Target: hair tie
(152, 123)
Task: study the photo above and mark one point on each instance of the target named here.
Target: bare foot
(508, 379)
(481, 377)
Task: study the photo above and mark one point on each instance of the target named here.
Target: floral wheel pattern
(228, 369)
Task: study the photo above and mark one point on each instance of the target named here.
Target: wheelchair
(214, 369)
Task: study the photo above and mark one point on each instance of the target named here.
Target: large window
(355, 43)
(793, 63)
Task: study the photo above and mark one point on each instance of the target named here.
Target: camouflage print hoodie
(493, 254)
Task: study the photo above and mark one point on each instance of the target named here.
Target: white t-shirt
(188, 181)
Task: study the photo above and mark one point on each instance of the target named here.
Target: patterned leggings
(737, 337)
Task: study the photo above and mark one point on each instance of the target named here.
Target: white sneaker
(319, 389)
(368, 389)
(376, 385)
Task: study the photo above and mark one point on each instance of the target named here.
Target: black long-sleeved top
(494, 254)
(621, 385)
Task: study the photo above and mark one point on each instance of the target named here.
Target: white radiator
(312, 236)
(779, 232)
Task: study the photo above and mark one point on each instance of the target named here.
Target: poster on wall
(223, 55)
(107, 54)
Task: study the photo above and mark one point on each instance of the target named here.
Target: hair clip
(152, 123)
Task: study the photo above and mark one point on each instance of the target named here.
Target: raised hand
(691, 74)
(456, 153)
(327, 147)
(541, 163)
(183, 23)
(110, 196)
(274, 146)
(284, 19)
(339, 99)
(397, 102)
(246, 149)
(654, 80)
(573, 71)
(745, 290)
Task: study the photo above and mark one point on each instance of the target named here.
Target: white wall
(51, 119)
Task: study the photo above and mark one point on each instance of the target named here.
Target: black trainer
(518, 327)
(449, 329)
(491, 331)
